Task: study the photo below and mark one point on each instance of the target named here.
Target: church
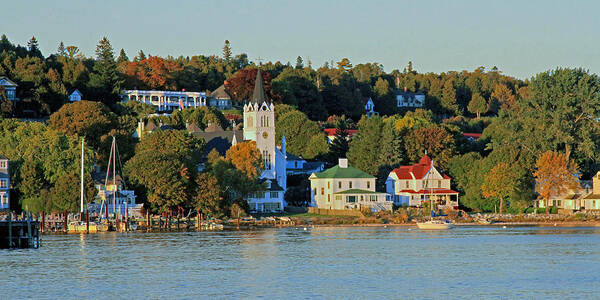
(259, 126)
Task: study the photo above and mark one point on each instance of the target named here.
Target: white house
(369, 107)
(346, 187)
(408, 99)
(296, 165)
(416, 184)
(259, 126)
(166, 100)
(4, 183)
(10, 88)
(75, 96)
(219, 98)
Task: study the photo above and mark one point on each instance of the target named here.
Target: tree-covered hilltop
(556, 111)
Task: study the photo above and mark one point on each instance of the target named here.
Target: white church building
(259, 126)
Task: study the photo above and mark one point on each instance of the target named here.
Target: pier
(15, 234)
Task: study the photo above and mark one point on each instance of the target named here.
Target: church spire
(259, 91)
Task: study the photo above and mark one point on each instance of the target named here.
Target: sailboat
(432, 224)
(82, 226)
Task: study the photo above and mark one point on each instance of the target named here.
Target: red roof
(332, 131)
(432, 191)
(418, 170)
(474, 136)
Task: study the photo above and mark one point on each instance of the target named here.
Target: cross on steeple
(259, 61)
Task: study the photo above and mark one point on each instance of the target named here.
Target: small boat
(435, 225)
(81, 227)
(483, 221)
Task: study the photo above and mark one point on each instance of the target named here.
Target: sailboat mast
(114, 175)
(82, 166)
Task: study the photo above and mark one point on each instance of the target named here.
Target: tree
(363, 153)
(241, 85)
(207, 198)
(344, 64)
(246, 158)
(500, 182)
(299, 63)
(303, 136)
(227, 51)
(61, 49)
(555, 174)
(105, 77)
(236, 211)
(122, 57)
(504, 96)
(437, 141)
(296, 88)
(448, 101)
(477, 105)
(339, 146)
(33, 47)
(84, 118)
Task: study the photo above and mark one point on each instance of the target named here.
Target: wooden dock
(15, 234)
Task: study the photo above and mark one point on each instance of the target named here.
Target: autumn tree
(555, 174)
(500, 182)
(207, 197)
(84, 118)
(477, 105)
(246, 158)
(437, 141)
(241, 85)
(503, 95)
(153, 73)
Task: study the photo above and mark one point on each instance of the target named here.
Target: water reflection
(321, 262)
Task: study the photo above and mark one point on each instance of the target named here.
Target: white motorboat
(435, 225)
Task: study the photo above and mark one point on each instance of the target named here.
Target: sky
(521, 38)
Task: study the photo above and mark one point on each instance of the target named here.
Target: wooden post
(87, 221)
(29, 236)
(66, 229)
(126, 218)
(148, 225)
(43, 226)
(198, 224)
(10, 239)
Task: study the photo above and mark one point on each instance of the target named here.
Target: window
(439, 183)
(373, 198)
(315, 191)
(328, 197)
(328, 185)
(350, 184)
(322, 191)
(339, 184)
(274, 194)
(338, 197)
(2, 164)
(3, 183)
(368, 184)
(351, 199)
(407, 184)
(362, 198)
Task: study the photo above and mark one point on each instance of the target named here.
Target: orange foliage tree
(241, 85)
(500, 182)
(153, 72)
(555, 175)
(246, 158)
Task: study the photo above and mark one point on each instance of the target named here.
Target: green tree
(105, 78)
(89, 119)
(34, 48)
(299, 63)
(339, 146)
(363, 153)
(477, 105)
(207, 197)
(227, 51)
(303, 136)
(122, 57)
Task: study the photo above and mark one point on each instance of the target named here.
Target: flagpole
(82, 165)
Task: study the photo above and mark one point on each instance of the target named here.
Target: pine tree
(122, 57)
(339, 146)
(449, 98)
(299, 63)
(227, 51)
(61, 49)
(105, 77)
(141, 56)
(33, 47)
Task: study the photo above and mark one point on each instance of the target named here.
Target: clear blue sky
(520, 37)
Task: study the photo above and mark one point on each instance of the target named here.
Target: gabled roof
(418, 170)
(213, 127)
(219, 140)
(75, 90)
(193, 128)
(333, 131)
(220, 93)
(356, 191)
(290, 156)
(337, 172)
(7, 82)
(258, 96)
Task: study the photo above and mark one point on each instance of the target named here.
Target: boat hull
(434, 226)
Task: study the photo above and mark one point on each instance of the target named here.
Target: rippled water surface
(329, 262)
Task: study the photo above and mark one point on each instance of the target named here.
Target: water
(328, 262)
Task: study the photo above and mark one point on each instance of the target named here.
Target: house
(10, 88)
(408, 99)
(416, 184)
(472, 136)
(144, 128)
(75, 95)
(113, 194)
(259, 126)
(166, 100)
(216, 137)
(4, 183)
(369, 107)
(331, 132)
(346, 187)
(296, 165)
(219, 98)
(584, 197)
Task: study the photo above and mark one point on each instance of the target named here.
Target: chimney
(343, 163)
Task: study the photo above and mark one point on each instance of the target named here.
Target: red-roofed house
(416, 184)
(331, 132)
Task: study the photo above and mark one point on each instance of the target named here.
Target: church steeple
(258, 96)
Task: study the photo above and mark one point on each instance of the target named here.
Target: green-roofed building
(346, 187)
